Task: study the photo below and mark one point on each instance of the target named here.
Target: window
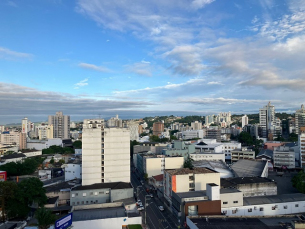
(101, 192)
(73, 203)
(95, 193)
(261, 209)
(235, 201)
(107, 192)
(84, 194)
(250, 210)
(234, 211)
(76, 194)
(224, 202)
(77, 202)
(73, 195)
(285, 207)
(273, 208)
(91, 193)
(82, 202)
(296, 205)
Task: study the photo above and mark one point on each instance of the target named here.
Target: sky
(140, 58)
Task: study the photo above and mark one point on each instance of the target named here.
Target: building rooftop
(158, 177)
(14, 155)
(248, 168)
(184, 171)
(52, 200)
(58, 187)
(265, 152)
(218, 166)
(228, 190)
(291, 197)
(98, 213)
(113, 185)
(232, 182)
(191, 194)
(232, 223)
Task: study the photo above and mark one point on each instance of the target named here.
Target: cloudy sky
(138, 58)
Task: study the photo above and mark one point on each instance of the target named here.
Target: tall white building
(299, 119)
(244, 121)
(134, 130)
(266, 119)
(115, 122)
(302, 148)
(45, 131)
(24, 124)
(61, 125)
(105, 153)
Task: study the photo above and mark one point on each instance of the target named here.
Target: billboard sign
(64, 222)
(3, 175)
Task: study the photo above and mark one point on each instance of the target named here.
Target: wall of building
(33, 153)
(232, 199)
(73, 171)
(153, 166)
(201, 180)
(173, 163)
(119, 194)
(93, 196)
(63, 196)
(182, 182)
(258, 189)
(110, 223)
(266, 209)
(205, 207)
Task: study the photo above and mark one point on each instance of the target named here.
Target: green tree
(52, 160)
(245, 138)
(172, 137)
(9, 152)
(61, 161)
(279, 138)
(154, 138)
(132, 144)
(7, 191)
(188, 163)
(293, 137)
(145, 176)
(298, 181)
(45, 218)
(77, 144)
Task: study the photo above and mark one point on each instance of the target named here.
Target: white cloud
(93, 67)
(81, 84)
(221, 100)
(197, 4)
(214, 83)
(9, 54)
(140, 68)
(11, 3)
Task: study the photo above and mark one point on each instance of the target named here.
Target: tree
(145, 176)
(188, 163)
(7, 191)
(9, 152)
(279, 138)
(45, 218)
(172, 137)
(61, 161)
(298, 182)
(52, 160)
(245, 138)
(293, 137)
(132, 144)
(77, 144)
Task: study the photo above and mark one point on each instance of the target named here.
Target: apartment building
(61, 125)
(158, 128)
(302, 147)
(243, 153)
(105, 153)
(284, 157)
(299, 119)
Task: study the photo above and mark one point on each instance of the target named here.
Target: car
(142, 182)
(140, 208)
(139, 202)
(151, 195)
(161, 208)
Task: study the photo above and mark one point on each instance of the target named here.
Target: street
(155, 219)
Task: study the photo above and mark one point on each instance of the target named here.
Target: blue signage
(64, 222)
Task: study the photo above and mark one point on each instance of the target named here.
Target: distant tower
(244, 121)
(24, 123)
(299, 119)
(266, 119)
(61, 125)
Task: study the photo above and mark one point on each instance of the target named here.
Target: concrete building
(44, 144)
(73, 170)
(133, 127)
(179, 148)
(244, 121)
(10, 138)
(218, 166)
(22, 141)
(269, 124)
(243, 153)
(299, 119)
(251, 186)
(100, 193)
(213, 133)
(105, 153)
(45, 131)
(115, 122)
(196, 125)
(24, 126)
(253, 130)
(61, 125)
(155, 165)
(185, 180)
(224, 117)
(158, 128)
(153, 147)
(231, 198)
(302, 148)
(250, 168)
(210, 156)
(15, 157)
(284, 157)
(192, 134)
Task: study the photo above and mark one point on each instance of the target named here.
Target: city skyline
(135, 59)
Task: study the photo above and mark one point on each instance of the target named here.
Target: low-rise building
(192, 134)
(73, 170)
(100, 193)
(185, 180)
(179, 148)
(243, 153)
(284, 157)
(15, 157)
(251, 186)
(250, 168)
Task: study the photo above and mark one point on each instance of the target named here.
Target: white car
(139, 202)
(161, 208)
(140, 207)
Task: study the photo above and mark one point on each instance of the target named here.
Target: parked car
(161, 208)
(151, 195)
(140, 207)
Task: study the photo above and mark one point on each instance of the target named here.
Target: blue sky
(138, 58)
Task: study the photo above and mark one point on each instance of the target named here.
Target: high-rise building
(266, 119)
(196, 125)
(299, 119)
(24, 124)
(45, 131)
(105, 153)
(158, 128)
(244, 121)
(115, 122)
(133, 127)
(22, 141)
(61, 125)
(302, 146)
